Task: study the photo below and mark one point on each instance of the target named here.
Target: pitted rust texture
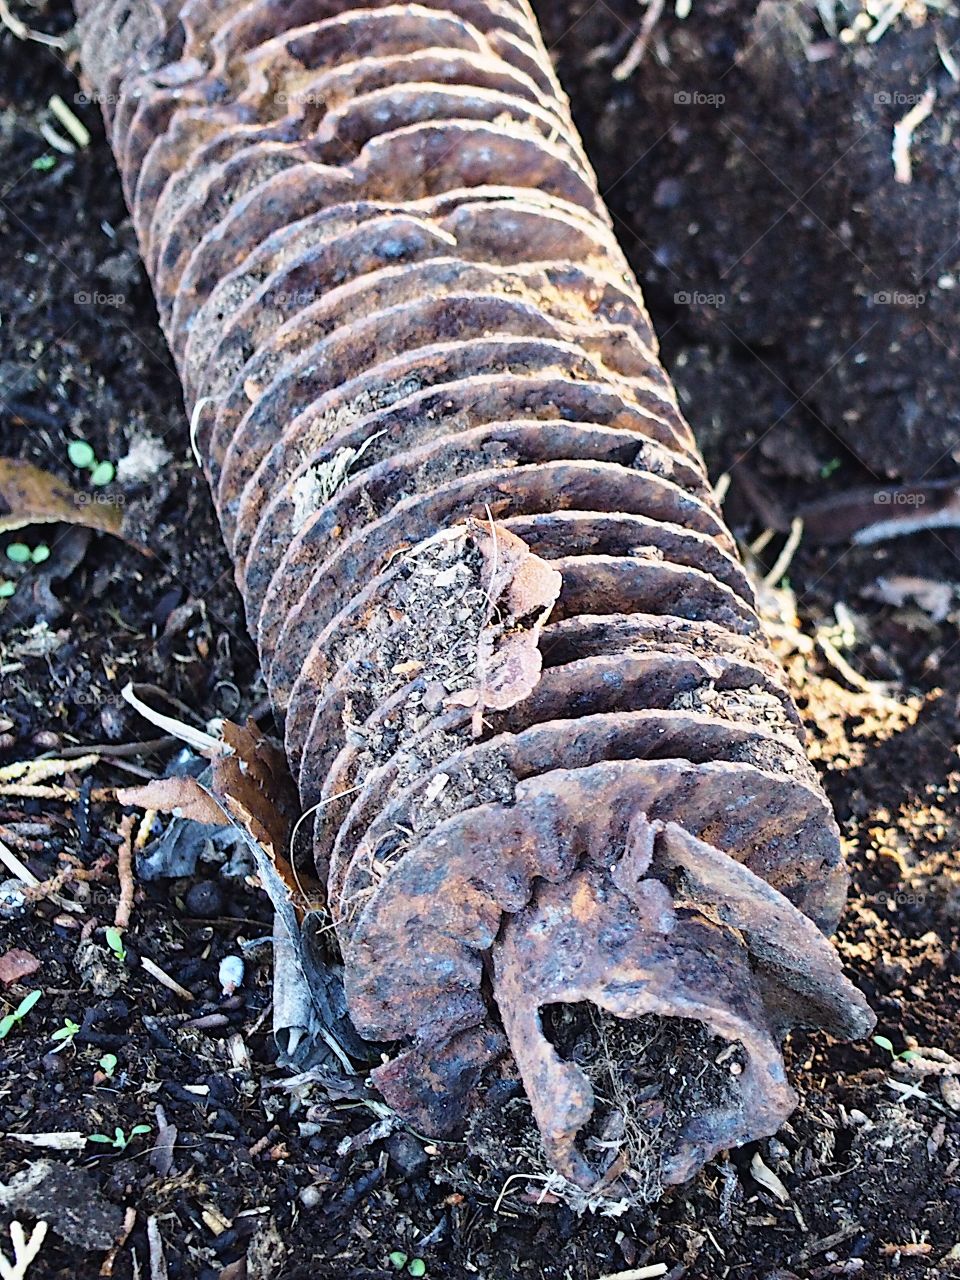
(397, 305)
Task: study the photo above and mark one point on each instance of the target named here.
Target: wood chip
(768, 1179)
(70, 1140)
(638, 1273)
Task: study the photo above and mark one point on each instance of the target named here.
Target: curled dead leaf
(521, 592)
(30, 495)
(250, 788)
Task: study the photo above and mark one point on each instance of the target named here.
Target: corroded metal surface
(397, 306)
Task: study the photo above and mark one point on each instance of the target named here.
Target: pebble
(406, 1154)
(231, 974)
(204, 899)
(310, 1197)
(13, 901)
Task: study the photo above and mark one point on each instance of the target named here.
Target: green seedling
(903, 1056)
(828, 468)
(65, 1034)
(20, 553)
(414, 1266)
(7, 588)
(43, 164)
(114, 940)
(108, 1064)
(81, 454)
(8, 1022)
(120, 1140)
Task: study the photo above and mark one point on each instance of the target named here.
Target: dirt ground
(806, 305)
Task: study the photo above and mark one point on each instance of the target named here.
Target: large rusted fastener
(563, 808)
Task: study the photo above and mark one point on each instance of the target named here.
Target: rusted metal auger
(566, 811)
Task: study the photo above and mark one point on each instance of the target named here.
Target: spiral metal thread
(397, 304)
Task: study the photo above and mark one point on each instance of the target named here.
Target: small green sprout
(114, 940)
(120, 1140)
(20, 553)
(65, 1034)
(415, 1266)
(81, 454)
(108, 1064)
(905, 1054)
(23, 1008)
(828, 468)
(7, 588)
(43, 164)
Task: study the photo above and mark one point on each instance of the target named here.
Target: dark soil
(802, 381)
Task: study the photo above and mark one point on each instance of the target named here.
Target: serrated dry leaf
(29, 495)
(250, 787)
(523, 589)
(182, 797)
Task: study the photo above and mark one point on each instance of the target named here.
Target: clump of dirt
(648, 1076)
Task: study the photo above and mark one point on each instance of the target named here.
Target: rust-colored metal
(397, 305)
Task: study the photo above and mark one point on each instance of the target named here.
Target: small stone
(407, 1154)
(15, 965)
(13, 900)
(231, 974)
(310, 1196)
(668, 193)
(204, 899)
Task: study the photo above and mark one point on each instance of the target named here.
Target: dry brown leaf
(522, 588)
(257, 791)
(183, 797)
(29, 495)
(768, 1179)
(250, 787)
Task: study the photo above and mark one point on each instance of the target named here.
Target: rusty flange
(564, 808)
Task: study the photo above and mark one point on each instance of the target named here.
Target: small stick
(638, 1273)
(129, 1220)
(16, 867)
(639, 47)
(125, 873)
(785, 558)
(903, 132)
(164, 979)
(158, 1261)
